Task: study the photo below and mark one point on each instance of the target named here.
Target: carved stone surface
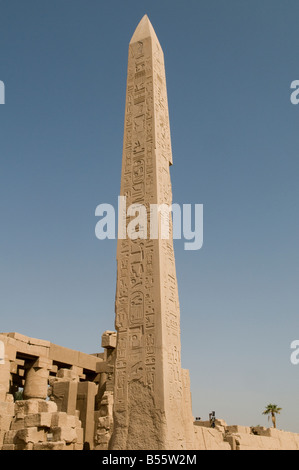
(149, 400)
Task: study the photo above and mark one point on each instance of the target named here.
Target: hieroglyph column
(149, 406)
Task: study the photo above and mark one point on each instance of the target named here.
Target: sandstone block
(31, 435)
(5, 422)
(59, 419)
(49, 445)
(47, 406)
(72, 421)
(67, 374)
(105, 422)
(109, 339)
(38, 420)
(25, 407)
(17, 424)
(3, 390)
(10, 437)
(238, 429)
(78, 446)
(64, 434)
(80, 435)
(8, 447)
(7, 408)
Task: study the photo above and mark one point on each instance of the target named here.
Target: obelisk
(150, 405)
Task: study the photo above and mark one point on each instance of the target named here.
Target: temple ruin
(134, 394)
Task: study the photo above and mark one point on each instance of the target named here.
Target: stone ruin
(67, 402)
(134, 395)
(67, 396)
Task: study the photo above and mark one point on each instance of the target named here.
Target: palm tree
(272, 410)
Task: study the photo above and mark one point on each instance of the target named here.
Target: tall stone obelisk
(151, 407)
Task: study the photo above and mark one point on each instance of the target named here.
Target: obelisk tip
(143, 30)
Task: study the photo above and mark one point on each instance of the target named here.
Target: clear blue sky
(229, 66)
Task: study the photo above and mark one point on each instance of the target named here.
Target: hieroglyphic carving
(147, 304)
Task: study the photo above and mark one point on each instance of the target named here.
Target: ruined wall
(224, 437)
(66, 395)
(69, 403)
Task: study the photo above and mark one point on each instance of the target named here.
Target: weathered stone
(148, 392)
(109, 339)
(47, 406)
(59, 419)
(49, 445)
(38, 420)
(85, 404)
(34, 406)
(10, 437)
(66, 434)
(7, 408)
(238, 429)
(36, 382)
(8, 447)
(65, 395)
(5, 422)
(32, 434)
(18, 423)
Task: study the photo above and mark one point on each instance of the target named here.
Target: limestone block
(38, 420)
(66, 434)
